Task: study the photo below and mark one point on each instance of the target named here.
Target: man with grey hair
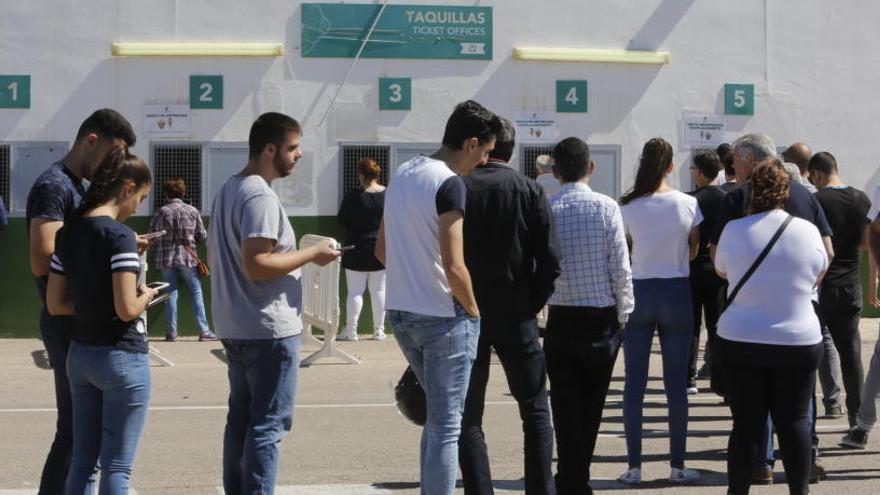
(545, 177)
(748, 151)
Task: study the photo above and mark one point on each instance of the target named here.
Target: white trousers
(357, 283)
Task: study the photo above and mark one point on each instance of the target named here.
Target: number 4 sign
(206, 92)
(571, 96)
(15, 91)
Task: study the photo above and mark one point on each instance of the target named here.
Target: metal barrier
(320, 305)
(155, 355)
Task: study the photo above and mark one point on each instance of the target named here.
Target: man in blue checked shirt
(588, 310)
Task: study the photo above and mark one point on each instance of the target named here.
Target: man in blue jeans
(257, 288)
(429, 295)
(55, 195)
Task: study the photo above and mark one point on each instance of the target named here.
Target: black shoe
(817, 472)
(762, 475)
(704, 372)
(857, 438)
(833, 412)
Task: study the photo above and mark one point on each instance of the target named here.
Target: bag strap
(758, 261)
(191, 252)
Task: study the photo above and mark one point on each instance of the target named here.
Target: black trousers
(581, 347)
(764, 378)
(840, 309)
(707, 297)
(515, 341)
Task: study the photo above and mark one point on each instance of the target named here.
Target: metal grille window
(352, 154)
(529, 153)
(173, 161)
(4, 176)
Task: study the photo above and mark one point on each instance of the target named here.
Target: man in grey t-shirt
(257, 293)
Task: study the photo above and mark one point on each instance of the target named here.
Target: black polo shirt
(847, 212)
(88, 251)
(801, 203)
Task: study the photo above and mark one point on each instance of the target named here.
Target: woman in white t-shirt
(662, 225)
(769, 339)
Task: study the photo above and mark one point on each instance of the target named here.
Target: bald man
(800, 154)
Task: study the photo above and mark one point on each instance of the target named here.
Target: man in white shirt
(591, 304)
(546, 178)
(429, 295)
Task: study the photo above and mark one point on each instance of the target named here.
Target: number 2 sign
(15, 91)
(206, 92)
(571, 96)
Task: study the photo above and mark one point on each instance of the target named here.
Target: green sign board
(206, 92)
(571, 96)
(395, 93)
(401, 31)
(15, 91)
(739, 99)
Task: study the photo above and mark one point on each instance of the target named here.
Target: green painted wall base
(20, 304)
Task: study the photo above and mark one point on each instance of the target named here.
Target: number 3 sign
(395, 93)
(206, 92)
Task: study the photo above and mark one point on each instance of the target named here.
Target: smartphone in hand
(154, 235)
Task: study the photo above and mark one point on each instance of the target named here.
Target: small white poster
(535, 126)
(166, 121)
(704, 130)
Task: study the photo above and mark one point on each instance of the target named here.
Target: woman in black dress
(360, 214)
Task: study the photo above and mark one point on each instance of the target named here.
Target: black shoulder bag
(716, 381)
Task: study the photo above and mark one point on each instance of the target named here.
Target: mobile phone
(347, 248)
(155, 235)
(159, 286)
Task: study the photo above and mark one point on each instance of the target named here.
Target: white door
(406, 152)
(223, 161)
(31, 160)
(606, 176)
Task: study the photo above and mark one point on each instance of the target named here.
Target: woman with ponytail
(93, 277)
(662, 227)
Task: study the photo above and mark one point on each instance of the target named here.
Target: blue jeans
(110, 389)
(55, 332)
(441, 351)
(190, 277)
(262, 387)
(664, 304)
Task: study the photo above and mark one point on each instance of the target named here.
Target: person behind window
(93, 277)
(175, 255)
(360, 214)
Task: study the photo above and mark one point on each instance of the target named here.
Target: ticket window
(177, 161)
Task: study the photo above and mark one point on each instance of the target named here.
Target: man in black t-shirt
(54, 196)
(707, 288)
(840, 296)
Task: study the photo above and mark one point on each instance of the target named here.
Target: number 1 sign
(15, 91)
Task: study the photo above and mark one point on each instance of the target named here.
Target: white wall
(813, 68)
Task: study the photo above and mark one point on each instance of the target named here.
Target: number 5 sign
(206, 92)
(395, 93)
(15, 91)
(739, 99)
(571, 96)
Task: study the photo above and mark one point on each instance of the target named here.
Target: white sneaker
(346, 335)
(632, 476)
(693, 390)
(378, 335)
(683, 475)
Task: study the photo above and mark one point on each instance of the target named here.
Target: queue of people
(463, 252)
